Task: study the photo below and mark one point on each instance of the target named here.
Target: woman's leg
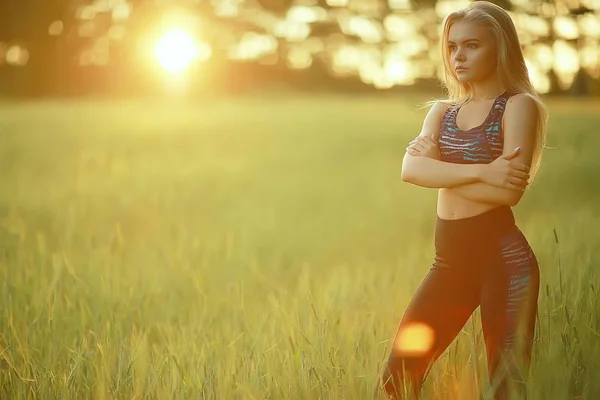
(508, 313)
(440, 308)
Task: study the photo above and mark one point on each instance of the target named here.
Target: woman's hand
(505, 172)
(424, 146)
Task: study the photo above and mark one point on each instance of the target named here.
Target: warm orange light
(175, 50)
(415, 339)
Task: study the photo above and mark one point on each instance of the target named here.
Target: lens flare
(415, 339)
(175, 50)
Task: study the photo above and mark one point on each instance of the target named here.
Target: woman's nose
(458, 56)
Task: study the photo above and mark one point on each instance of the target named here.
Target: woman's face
(472, 50)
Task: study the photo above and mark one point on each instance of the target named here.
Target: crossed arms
(501, 182)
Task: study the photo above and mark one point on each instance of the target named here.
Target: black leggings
(484, 261)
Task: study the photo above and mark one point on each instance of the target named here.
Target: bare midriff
(451, 205)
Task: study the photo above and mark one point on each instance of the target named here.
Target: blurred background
(133, 47)
(203, 198)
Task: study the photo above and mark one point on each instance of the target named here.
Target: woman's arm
(485, 193)
(431, 173)
(520, 119)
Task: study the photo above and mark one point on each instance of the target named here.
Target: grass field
(259, 248)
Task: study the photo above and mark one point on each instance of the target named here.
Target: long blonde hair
(511, 65)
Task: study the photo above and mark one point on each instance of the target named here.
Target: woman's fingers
(428, 140)
(417, 146)
(518, 182)
(420, 145)
(423, 142)
(424, 139)
(520, 174)
(520, 167)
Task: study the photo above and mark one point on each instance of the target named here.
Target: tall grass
(259, 249)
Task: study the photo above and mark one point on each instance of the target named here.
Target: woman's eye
(472, 46)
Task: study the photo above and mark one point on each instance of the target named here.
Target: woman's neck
(488, 90)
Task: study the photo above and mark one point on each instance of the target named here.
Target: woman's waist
(473, 222)
(452, 206)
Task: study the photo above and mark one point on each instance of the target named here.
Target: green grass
(258, 248)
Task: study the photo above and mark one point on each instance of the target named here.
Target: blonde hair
(511, 65)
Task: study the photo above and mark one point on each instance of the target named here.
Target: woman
(479, 147)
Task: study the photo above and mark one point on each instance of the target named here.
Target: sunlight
(415, 339)
(176, 50)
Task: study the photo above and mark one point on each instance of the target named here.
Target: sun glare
(175, 50)
(415, 339)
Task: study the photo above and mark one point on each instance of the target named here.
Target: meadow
(259, 248)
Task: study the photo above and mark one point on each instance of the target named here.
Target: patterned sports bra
(481, 144)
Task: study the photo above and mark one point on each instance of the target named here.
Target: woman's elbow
(514, 198)
(407, 174)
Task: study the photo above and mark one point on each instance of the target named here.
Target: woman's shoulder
(520, 98)
(433, 119)
(521, 103)
(437, 111)
(439, 107)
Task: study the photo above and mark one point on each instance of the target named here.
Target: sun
(175, 50)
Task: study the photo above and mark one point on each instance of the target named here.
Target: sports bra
(481, 144)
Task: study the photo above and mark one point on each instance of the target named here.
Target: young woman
(480, 147)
